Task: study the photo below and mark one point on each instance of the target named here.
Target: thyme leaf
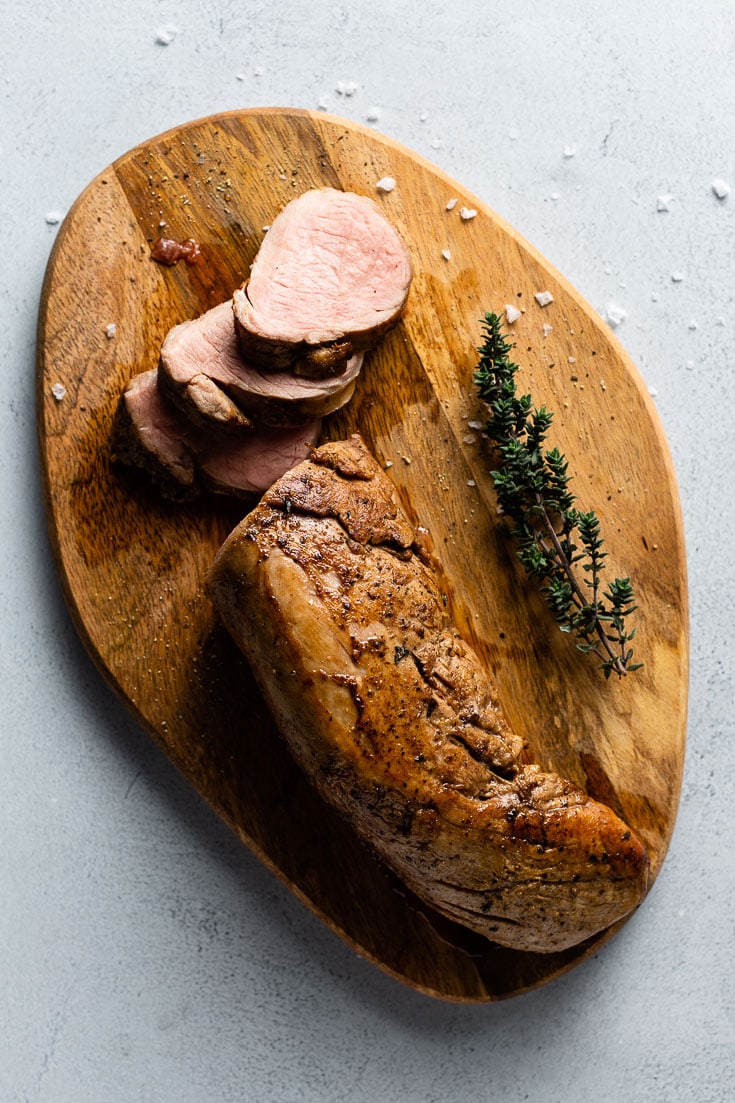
(558, 545)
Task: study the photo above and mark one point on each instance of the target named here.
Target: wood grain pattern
(133, 567)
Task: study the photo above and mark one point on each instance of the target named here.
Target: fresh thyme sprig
(559, 545)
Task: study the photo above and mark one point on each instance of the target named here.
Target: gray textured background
(144, 955)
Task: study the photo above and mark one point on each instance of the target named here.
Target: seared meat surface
(395, 721)
(330, 279)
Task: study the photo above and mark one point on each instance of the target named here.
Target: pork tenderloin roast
(396, 723)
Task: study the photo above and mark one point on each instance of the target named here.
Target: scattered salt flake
(322, 105)
(693, 324)
(469, 439)
(466, 213)
(110, 330)
(166, 35)
(58, 391)
(239, 76)
(474, 424)
(451, 204)
(388, 463)
(53, 218)
(603, 385)
(258, 71)
(572, 359)
(423, 116)
(471, 482)
(569, 151)
(373, 114)
(654, 296)
(436, 143)
(512, 313)
(513, 134)
(345, 87)
(663, 203)
(266, 229)
(677, 277)
(386, 183)
(543, 298)
(652, 391)
(446, 254)
(689, 365)
(615, 315)
(547, 330)
(555, 195)
(721, 188)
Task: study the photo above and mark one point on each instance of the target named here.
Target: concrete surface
(144, 955)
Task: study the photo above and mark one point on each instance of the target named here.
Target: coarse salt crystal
(58, 391)
(569, 151)
(451, 204)
(615, 315)
(166, 35)
(652, 391)
(689, 365)
(721, 188)
(512, 313)
(258, 71)
(446, 254)
(663, 202)
(469, 439)
(110, 330)
(322, 105)
(543, 298)
(471, 482)
(466, 213)
(373, 114)
(513, 134)
(654, 296)
(677, 277)
(239, 76)
(474, 424)
(547, 330)
(693, 324)
(572, 359)
(53, 218)
(555, 195)
(387, 183)
(423, 116)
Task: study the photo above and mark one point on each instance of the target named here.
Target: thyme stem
(532, 484)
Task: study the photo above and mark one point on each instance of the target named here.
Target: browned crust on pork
(397, 724)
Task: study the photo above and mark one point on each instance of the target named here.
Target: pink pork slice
(204, 372)
(331, 277)
(152, 434)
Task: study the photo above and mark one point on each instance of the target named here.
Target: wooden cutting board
(133, 567)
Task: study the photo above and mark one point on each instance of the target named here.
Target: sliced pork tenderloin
(331, 277)
(183, 460)
(204, 372)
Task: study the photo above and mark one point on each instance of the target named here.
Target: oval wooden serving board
(133, 567)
